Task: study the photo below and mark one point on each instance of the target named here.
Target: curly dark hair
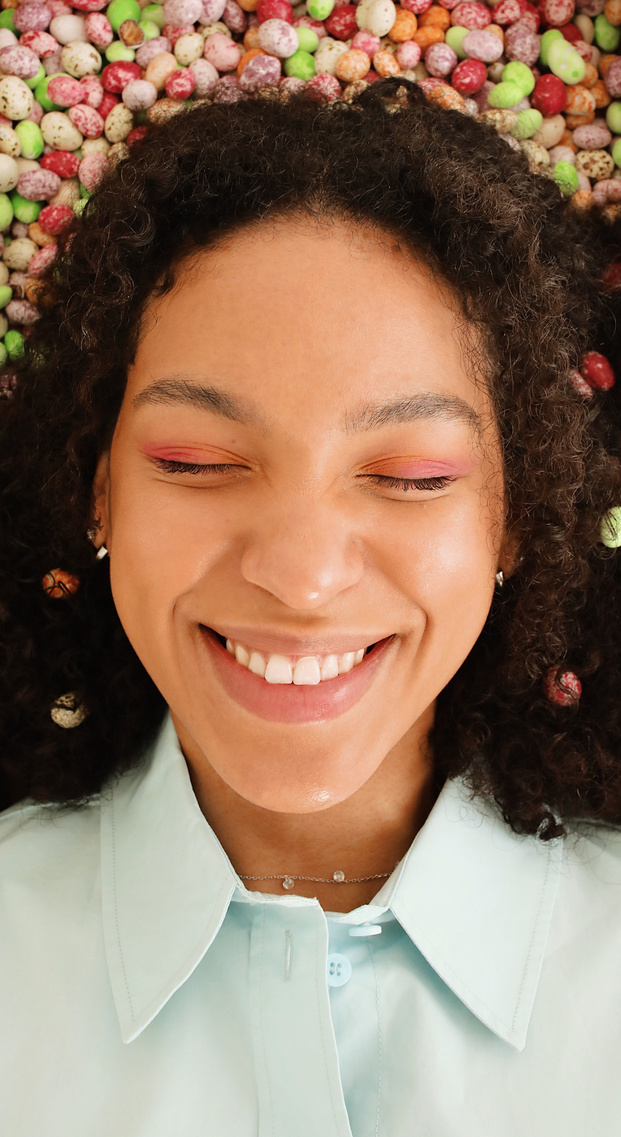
(528, 271)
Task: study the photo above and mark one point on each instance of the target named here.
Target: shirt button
(365, 930)
(339, 970)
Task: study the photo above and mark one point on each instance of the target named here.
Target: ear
(100, 501)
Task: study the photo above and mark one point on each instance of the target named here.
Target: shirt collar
(475, 898)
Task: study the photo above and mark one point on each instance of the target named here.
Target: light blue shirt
(146, 992)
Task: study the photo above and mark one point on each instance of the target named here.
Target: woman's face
(295, 371)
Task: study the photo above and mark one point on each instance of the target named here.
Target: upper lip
(330, 643)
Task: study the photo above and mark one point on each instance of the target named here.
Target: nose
(304, 554)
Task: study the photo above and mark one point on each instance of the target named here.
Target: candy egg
(562, 687)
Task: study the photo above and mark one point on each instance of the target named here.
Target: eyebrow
(371, 416)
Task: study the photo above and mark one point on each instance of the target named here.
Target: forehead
(309, 323)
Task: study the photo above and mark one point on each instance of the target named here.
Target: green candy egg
(516, 72)
(319, 9)
(613, 118)
(607, 36)
(6, 213)
(454, 38)
(301, 65)
(566, 177)
(36, 79)
(79, 206)
(6, 294)
(150, 28)
(120, 10)
(30, 137)
(544, 45)
(610, 528)
(505, 95)
(155, 13)
(308, 40)
(6, 21)
(116, 52)
(616, 152)
(565, 62)
(528, 123)
(24, 210)
(14, 344)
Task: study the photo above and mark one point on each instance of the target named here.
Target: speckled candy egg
(38, 185)
(7, 38)
(92, 91)
(19, 253)
(223, 52)
(380, 17)
(16, 99)
(19, 61)
(365, 41)
(469, 76)
(327, 56)
(88, 121)
(549, 95)
(117, 75)
(440, 60)
(342, 23)
(482, 45)
(62, 162)
(562, 687)
(179, 13)
(408, 54)
(596, 369)
(64, 90)
(147, 51)
(596, 164)
(9, 142)
(69, 29)
(58, 583)
(92, 168)
(118, 123)
(9, 173)
(352, 65)
(276, 36)
(42, 43)
(22, 312)
(470, 14)
(180, 84)
(188, 48)
(139, 94)
(99, 30)
(211, 12)
(522, 44)
(54, 218)
(32, 17)
(59, 132)
(205, 76)
(592, 136)
(557, 12)
(261, 71)
(80, 59)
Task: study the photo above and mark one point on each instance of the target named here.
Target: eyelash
(171, 467)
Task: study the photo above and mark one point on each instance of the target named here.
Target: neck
(368, 833)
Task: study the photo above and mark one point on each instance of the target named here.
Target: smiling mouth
(304, 670)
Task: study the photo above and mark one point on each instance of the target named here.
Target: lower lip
(288, 702)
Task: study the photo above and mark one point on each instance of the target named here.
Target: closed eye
(428, 485)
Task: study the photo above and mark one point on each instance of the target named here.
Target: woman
(310, 640)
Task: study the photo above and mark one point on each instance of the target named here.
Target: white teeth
(308, 671)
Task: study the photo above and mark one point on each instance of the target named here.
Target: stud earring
(500, 578)
(91, 534)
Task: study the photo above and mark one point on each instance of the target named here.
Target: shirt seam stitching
(116, 913)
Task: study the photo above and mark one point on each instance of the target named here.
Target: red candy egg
(561, 687)
(54, 218)
(116, 76)
(549, 96)
(63, 162)
(274, 9)
(597, 371)
(469, 75)
(341, 24)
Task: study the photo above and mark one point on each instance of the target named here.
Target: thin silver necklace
(338, 877)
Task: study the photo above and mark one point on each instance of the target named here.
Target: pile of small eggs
(79, 83)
